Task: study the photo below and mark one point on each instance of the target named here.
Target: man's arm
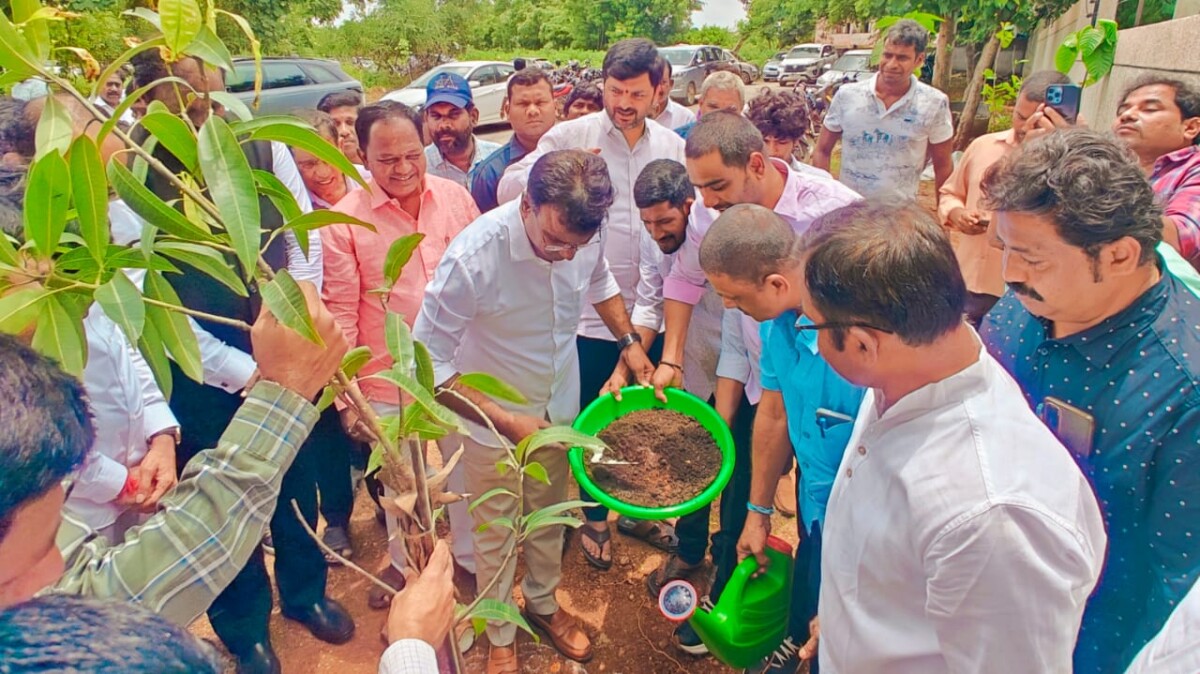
(342, 291)
(943, 162)
(733, 366)
(823, 154)
(512, 183)
(770, 450)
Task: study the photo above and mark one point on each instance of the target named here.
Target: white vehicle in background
(488, 81)
(852, 66)
(805, 62)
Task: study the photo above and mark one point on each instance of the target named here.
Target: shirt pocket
(825, 457)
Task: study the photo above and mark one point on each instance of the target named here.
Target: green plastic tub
(605, 409)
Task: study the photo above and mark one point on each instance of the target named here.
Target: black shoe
(785, 660)
(260, 659)
(688, 641)
(327, 620)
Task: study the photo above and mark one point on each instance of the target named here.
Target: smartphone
(1064, 98)
(1074, 427)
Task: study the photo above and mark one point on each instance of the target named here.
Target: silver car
(805, 62)
(289, 84)
(770, 71)
(690, 64)
(488, 81)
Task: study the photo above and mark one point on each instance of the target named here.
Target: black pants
(597, 360)
(240, 614)
(806, 585)
(335, 453)
(692, 529)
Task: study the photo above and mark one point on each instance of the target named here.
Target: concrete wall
(1045, 40)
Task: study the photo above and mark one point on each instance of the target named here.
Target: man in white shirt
(1176, 647)
(960, 534)
(889, 124)
(450, 117)
(506, 300)
(669, 113)
(627, 140)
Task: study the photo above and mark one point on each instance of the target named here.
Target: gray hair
(908, 32)
(734, 136)
(62, 633)
(1033, 87)
(887, 264)
(748, 242)
(1086, 183)
(575, 182)
(662, 180)
(723, 80)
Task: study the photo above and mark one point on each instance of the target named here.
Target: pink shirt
(354, 258)
(981, 262)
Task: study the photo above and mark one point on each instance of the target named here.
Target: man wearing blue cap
(450, 117)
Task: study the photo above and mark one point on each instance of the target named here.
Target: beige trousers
(542, 549)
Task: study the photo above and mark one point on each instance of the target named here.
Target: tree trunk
(943, 64)
(974, 94)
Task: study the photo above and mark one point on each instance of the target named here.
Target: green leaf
(355, 359)
(398, 255)
(107, 127)
(1111, 31)
(424, 363)
(419, 424)
(148, 15)
(533, 523)
(54, 128)
(181, 22)
(249, 126)
(375, 460)
(502, 522)
(423, 398)
(489, 495)
(90, 189)
(537, 471)
(556, 510)
(278, 193)
(283, 298)
(37, 33)
(206, 260)
(492, 386)
(1099, 63)
(560, 435)
(20, 309)
(49, 190)
(173, 327)
(399, 340)
(59, 335)
(125, 58)
(479, 625)
(122, 302)
(153, 350)
(231, 186)
(255, 46)
(1064, 58)
(310, 141)
(232, 104)
(328, 395)
(16, 55)
(495, 611)
(174, 134)
(209, 48)
(1088, 39)
(8, 252)
(152, 209)
(302, 224)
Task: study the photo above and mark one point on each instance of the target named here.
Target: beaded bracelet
(759, 509)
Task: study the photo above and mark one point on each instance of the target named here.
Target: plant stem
(231, 322)
(330, 551)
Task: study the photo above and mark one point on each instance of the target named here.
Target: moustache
(1022, 289)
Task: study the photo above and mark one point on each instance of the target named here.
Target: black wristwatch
(628, 340)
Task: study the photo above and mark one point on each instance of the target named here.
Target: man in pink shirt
(401, 200)
(958, 207)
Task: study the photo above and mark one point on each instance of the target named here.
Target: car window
(321, 74)
(678, 58)
(505, 72)
(278, 75)
(804, 52)
(241, 79)
(485, 75)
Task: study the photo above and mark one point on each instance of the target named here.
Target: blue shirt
(1137, 374)
(485, 176)
(820, 407)
(685, 130)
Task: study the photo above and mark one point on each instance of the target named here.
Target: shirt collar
(972, 380)
(380, 197)
(913, 82)
(806, 337)
(610, 129)
(1181, 156)
(519, 246)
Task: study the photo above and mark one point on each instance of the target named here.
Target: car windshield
(677, 57)
(421, 81)
(804, 52)
(853, 62)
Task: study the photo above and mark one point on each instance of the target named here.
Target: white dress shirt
(675, 115)
(1176, 647)
(494, 306)
(702, 349)
(741, 349)
(624, 226)
(409, 656)
(127, 409)
(960, 536)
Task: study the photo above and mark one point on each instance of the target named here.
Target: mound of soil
(673, 458)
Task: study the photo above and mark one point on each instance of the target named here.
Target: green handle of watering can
(742, 574)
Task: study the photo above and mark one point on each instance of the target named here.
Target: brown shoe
(564, 632)
(379, 599)
(503, 660)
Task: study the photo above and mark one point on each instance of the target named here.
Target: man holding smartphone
(1094, 328)
(958, 206)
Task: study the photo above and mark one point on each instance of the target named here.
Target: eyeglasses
(840, 324)
(564, 247)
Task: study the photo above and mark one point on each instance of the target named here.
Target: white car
(805, 62)
(488, 80)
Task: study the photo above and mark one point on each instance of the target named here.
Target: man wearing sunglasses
(506, 300)
(961, 532)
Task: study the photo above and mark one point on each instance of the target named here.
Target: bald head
(748, 243)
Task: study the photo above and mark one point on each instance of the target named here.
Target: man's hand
(618, 380)
(664, 376)
(753, 540)
(354, 425)
(967, 221)
(292, 361)
(634, 357)
(1047, 120)
(158, 473)
(521, 426)
(133, 484)
(424, 609)
(809, 650)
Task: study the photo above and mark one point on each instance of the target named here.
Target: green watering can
(750, 619)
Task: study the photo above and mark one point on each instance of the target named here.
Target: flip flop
(659, 534)
(600, 538)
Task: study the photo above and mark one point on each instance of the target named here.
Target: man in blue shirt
(805, 405)
(530, 108)
(1106, 346)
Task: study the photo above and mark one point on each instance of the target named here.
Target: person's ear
(757, 165)
(779, 284)
(864, 344)
(687, 206)
(1121, 257)
(474, 112)
(1191, 129)
(362, 154)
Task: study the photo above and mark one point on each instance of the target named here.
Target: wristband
(677, 366)
(759, 509)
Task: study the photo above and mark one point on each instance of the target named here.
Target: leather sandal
(674, 568)
(599, 539)
(503, 660)
(564, 632)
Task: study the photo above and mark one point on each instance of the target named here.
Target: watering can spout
(750, 619)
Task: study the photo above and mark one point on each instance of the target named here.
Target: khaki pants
(542, 549)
